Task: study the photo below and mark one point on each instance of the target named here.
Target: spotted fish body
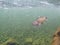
(39, 21)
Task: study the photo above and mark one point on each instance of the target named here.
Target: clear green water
(17, 23)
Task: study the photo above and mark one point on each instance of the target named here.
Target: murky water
(17, 23)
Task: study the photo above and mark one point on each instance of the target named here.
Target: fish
(40, 20)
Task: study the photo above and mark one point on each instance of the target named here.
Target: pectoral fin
(42, 23)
